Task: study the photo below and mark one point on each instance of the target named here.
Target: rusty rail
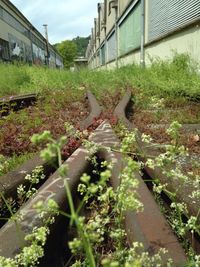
(155, 234)
(146, 151)
(15, 103)
(149, 226)
(10, 181)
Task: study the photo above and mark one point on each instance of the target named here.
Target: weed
(9, 164)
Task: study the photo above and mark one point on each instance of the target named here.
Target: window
(98, 59)
(37, 41)
(111, 47)
(4, 50)
(17, 51)
(102, 55)
(28, 53)
(1, 13)
(130, 31)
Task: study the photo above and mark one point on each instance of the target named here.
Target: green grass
(171, 78)
(16, 80)
(9, 164)
(12, 79)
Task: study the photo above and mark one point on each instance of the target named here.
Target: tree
(68, 50)
(81, 43)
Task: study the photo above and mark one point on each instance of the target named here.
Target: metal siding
(166, 16)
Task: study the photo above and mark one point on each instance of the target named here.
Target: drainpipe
(142, 51)
(104, 27)
(114, 4)
(47, 44)
(30, 38)
(105, 45)
(116, 36)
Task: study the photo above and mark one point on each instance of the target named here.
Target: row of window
(163, 17)
(129, 37)
(4, 50)
(37, 41)
(17, 49)
(14, 23)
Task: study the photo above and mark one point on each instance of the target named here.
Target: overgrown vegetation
(68, 50)
(57, 103)
(103, 224)
(164, 92)
(169, 78)
(81, 43)
(167, 88)
(8, 164)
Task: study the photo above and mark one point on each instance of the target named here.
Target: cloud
(66, 19)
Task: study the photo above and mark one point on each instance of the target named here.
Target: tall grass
(12, 77)
(174, 77)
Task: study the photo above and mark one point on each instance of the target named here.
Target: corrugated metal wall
(130, 31)
(165, 16)
(111, 47)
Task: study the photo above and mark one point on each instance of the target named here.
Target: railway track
(15, 103)
(149, 226)
(10, 181)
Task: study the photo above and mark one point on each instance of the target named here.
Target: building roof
(81, 59)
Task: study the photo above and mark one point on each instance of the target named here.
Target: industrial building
(135, 31)
(21, 41)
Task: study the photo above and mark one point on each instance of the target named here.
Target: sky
(66, 19)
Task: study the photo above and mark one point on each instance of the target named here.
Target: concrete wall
(122, 6)
(185, 41)
(102, 22)
(130, 59)
(110, 19)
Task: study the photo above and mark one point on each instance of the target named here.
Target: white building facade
(134, 31)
